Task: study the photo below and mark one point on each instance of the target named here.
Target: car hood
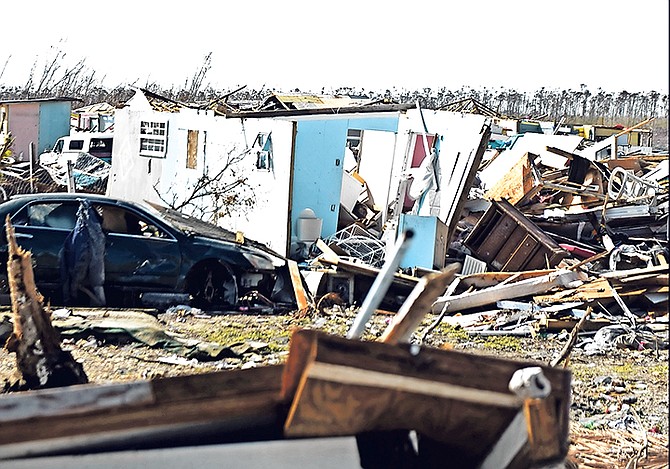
(192, 226)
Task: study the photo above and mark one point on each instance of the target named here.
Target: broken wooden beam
(486, 296)
(417, 305)
(301, 298)
(39, 358)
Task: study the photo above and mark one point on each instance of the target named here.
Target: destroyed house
(98, 117)
(322, 159)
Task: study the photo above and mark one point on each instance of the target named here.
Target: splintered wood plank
(298, 289)
(73, 401)
(490, 279)
(39, 357)
(541, 426)
(594, 290)
(417, 305)
(518, 289)
(517, 183)
(569, 324)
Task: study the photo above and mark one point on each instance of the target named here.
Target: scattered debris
(521, 235)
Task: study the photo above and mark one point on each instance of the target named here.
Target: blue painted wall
(54, 123)
(319, 152)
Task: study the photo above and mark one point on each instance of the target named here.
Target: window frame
(153, 138)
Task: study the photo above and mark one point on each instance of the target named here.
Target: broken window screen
(192, 149)
(153, 139)
(263, 148)
(354, 138)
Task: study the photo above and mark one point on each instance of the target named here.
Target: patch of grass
(231, 333)
(582, 372)
(502, 342)
(632, 370)
(629, 371)
(452, 334)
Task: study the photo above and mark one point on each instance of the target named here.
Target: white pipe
(380, 285)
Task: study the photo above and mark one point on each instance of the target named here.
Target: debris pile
(85, 173)
(552, 226)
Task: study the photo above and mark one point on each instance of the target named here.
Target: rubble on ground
(570, 239)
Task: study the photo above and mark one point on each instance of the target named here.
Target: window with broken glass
(354, 137)
(263, 148)
(153, 139)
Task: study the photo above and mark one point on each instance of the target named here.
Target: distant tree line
(600, 106)
(548, 104)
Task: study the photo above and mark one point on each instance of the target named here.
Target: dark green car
(149, 251)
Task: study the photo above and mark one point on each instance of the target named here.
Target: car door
(140, 252)
(41, 228)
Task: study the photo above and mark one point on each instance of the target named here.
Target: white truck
(98, 144)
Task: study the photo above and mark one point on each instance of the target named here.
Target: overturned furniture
(506, 240)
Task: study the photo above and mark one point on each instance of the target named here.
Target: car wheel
(212, 286)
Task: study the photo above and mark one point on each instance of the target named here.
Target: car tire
(212, 285)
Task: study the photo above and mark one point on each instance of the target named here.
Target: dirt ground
(621, 389)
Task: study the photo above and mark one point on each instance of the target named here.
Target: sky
(363, 44)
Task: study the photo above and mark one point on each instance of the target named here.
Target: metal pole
(31, 152)
(70, 178)
(380, 285)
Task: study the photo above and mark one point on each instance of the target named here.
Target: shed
(38, 122)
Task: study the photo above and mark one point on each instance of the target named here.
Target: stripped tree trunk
(39, 359)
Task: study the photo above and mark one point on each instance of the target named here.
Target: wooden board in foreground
(338, 386)
(166, 411)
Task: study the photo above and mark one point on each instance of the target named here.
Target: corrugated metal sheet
(97, 108)
(311, 101)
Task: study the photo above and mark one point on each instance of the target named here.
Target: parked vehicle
(149, 251)
(98, 144)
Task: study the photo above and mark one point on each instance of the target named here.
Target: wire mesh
(359, 244)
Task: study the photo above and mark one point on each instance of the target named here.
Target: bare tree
(214, 196)
(199, 76)
(4, 67)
